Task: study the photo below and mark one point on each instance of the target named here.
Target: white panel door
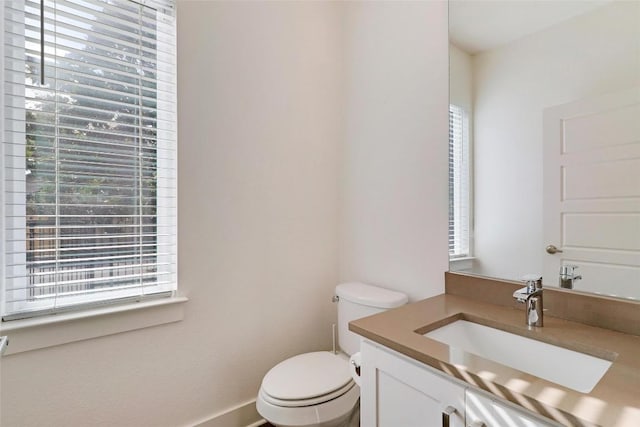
(592, 192)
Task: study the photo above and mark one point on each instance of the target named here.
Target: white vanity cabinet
(398, 391)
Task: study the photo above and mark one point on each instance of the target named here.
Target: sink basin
(572, 369)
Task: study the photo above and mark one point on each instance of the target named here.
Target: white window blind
(89, 154)
(459, 184)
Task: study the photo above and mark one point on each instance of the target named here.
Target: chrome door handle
(551, 249)
(448, 411)
(4, 342)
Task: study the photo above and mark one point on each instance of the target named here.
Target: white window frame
(460, 185)
(164, 212)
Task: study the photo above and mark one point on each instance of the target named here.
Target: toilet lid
(307, 376)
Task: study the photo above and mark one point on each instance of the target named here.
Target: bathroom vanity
(410, 379)
(399, 391)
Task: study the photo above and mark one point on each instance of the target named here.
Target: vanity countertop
(613, 402)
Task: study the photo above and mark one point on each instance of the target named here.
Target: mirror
(514, 64)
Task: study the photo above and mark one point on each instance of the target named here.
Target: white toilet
(317, 389)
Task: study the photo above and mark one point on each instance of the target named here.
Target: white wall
(589, 55)
(268, 182)
(259, 109)
(460, 78)
(394, 189)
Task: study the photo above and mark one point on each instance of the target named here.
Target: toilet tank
(357, 300)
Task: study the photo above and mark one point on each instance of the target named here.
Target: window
(89, 154)
(459, 184)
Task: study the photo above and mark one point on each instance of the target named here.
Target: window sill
(48, 331)
(461, 264)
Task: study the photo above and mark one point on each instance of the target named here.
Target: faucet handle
(521, 294)
(533, 281)
(568, 270)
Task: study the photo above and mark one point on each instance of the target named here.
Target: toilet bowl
(311, 389)
(317, 389)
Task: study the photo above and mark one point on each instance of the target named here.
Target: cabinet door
(397, 391)
(484, 411)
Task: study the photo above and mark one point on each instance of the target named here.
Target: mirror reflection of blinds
(90, 156)
(459, 185)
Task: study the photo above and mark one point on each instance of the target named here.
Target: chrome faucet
(568, 276)
(531, 296)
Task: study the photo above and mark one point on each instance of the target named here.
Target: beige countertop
(613, 402)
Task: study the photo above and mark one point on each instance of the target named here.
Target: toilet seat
(310, 389)
(334, 412)
(307, 379)
(306, 402)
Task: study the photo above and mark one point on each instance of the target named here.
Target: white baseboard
(243, 415)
